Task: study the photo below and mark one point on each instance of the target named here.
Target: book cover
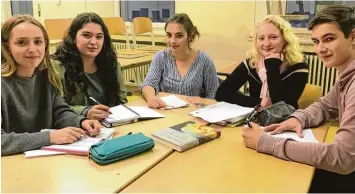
(186, 135)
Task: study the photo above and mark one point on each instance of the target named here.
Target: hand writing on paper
(291, 124)
(155, 102)
(251, 135)
(66, 135)
(93, 127)
(98, 112)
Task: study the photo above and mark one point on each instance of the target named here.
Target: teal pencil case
(120, 148)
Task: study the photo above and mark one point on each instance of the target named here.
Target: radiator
(319, 74)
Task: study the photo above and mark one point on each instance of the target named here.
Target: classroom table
(136, 62)
(74, 174)
(225, 165)
(225, 67)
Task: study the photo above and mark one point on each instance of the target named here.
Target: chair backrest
(115, 25)
(142, 25)
(311, 93)
(56, 28)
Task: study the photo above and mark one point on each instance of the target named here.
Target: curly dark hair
(106, 61)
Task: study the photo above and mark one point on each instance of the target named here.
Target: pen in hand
(97, 103)
(93, 99)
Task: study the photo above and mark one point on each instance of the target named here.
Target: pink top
(338, 157)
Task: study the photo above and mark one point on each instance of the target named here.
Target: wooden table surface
(69, 173)
(225, 165)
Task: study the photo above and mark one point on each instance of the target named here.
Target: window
(158, 11)
(21, 7)
(309, 8)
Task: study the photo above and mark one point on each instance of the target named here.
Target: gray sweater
(29, 105)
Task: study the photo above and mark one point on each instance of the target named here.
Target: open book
(123, 114)
(172, 102)
(185, 135)
(222, 111)
(82, 146)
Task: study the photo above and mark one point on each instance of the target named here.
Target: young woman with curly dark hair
(88, 64)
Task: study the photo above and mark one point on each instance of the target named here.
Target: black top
(287, 86)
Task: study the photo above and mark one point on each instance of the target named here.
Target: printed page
(146, 112)
(172, 101)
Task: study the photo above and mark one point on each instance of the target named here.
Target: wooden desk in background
(69, 173)
(225, 165)
(225, 67)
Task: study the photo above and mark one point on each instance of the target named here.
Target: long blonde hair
(293, 53)
(8, 64)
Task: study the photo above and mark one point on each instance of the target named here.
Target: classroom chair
(56, 28)
(311, 93)
(142, 25)
(116, 26)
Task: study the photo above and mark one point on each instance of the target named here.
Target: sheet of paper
(84, 143)
(38, 153)
(221, 111)
(120, 113)
(146, 112)
(172, 101)
(308, 136)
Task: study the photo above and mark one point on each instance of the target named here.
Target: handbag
(120, 148)
(275, 113)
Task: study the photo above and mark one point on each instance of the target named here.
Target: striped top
(200, 80)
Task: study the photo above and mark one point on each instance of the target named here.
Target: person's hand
(155, 102)
(291, 124)
(93, 127)
(196, 101)
(98, 112)
(66, 135)
(252, 135)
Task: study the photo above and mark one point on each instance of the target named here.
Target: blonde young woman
(274, 68)
(30, 99)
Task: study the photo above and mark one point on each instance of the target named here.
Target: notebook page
(145, 112)
(308, 136)
(120, 113)
(172, 101)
